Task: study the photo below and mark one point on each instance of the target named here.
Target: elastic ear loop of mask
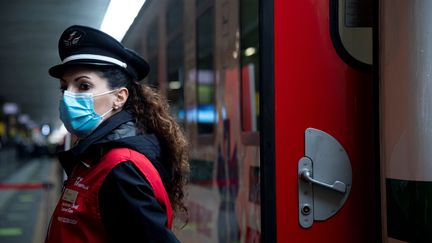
(104, 93)
(104, 114)
(107, 92)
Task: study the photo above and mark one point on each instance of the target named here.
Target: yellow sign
(2, 129)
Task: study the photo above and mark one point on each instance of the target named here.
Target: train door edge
(267, 133)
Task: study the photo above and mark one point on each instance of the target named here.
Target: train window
(205, 72)
(152, 54)
(200, 3)
(152, 78)
(175, 77)
(249, 60)
(351, 30)
(174, 17)
(201, 172)
(175, 59)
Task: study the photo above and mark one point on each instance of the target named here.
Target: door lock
(324, 177)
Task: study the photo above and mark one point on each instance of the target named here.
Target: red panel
(315, 88)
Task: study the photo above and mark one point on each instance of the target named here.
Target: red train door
(325, 161)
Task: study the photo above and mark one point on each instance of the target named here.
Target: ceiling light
(119, 17)
(250, 51)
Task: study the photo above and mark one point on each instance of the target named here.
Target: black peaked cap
(82, 45)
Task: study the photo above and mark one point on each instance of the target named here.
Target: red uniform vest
(77, 216)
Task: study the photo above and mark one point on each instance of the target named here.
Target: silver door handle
(338, 186)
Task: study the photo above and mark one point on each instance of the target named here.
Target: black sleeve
(129, 210)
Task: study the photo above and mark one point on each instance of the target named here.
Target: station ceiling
(28, 47)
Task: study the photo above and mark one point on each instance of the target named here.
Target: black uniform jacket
(129, 210)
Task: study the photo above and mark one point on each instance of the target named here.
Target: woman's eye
(84, 86)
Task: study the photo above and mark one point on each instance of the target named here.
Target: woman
(128, 167)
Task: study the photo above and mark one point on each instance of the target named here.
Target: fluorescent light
(174, 84)
(23, 118)
(119, 17)
(45, 130)
(10, 108)
(250, 51)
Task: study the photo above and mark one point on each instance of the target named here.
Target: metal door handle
(338, 186)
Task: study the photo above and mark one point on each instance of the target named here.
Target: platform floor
(28, 193)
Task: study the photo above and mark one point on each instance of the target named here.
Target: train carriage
(281, 104)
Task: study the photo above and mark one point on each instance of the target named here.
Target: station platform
(29, 190)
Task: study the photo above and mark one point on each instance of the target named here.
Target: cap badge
(73, 39)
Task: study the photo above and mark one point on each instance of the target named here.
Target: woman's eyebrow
(80, 77)
(75, 79)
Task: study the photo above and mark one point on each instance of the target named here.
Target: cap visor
(57, 71)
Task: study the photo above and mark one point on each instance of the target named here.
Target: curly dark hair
(152, 114)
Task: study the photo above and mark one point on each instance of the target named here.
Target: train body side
(206, 62)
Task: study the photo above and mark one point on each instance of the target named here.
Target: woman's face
(86, 80)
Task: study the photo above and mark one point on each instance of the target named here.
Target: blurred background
(30, 130)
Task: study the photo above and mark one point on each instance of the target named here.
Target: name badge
(70, 195)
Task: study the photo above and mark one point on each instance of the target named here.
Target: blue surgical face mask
(78, 114)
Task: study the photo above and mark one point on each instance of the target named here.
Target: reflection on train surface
(204, 58)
